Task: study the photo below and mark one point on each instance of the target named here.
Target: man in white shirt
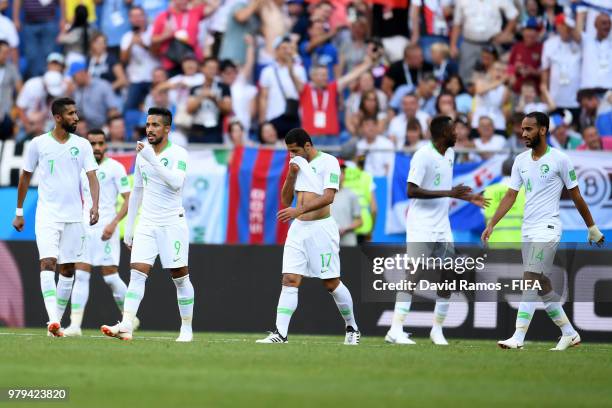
(479, 22)
(8, 33)
(280, 86)
(488, 140)
(561, 59)
(159, 175)
(410, 110)
(597, 55)
(544, 171)
(102, 241)
(60, 157)
(428, 231)
(379, 151)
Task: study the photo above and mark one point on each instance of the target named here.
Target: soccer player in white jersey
(102, 240)
(159, 175)
(312, 245)
(544, 171)
(60, 157)
(428, 231)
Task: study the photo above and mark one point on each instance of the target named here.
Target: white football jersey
(161, 205)
(327, 170)
(430, 171)
(59, 173)
(113, 181)
(543, 180)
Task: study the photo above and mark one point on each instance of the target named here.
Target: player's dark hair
(58, 106)
(96, 131)
(438, 125)
(540, 118)
(3, 43)
(163, 112)
(298, 136)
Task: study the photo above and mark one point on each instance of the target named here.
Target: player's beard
(69, 128)
(532, 144)
(156, 140)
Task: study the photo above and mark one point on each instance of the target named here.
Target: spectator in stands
(492, 93)
(299, 17)
(591, 139)
(365, 83)
(463, 100)
(425, 91)
(76, 40)
(414, 135)
(488, 57)
(561, 58)
(274, 25)
(318, 49)
(597, 55)
(369, 108)
(115, 23)
(378, 149)
(525, 58)
(37, 92)
(407, 72)
(463, 130)
(35, 125)
(209, 103)
(180, 22)
(105, 65)
(515, 142)
(589, 104)
(116, 129)
(355, 49)
(550, 11)
(443, 66)
(268, 135)
(529, 102)
(237, 135)
(10, 84)
(139, 62)
(159, 76)
(346, 211)
(243, 20)
(82, 126)
(480, 23)
(39, 31)
(410, 110)
(94, 97)
(8, 33)
(562, 135)
(446, 105)
(430, 24)
(280, 86)
(319, 100)
(179, 86)
(488, 141)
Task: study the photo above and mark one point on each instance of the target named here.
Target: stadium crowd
(365, 74)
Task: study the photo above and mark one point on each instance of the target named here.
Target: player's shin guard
(344, 301)
(525, 314)
(440, 311)
(402, 308)
(64, 289)
(133, 297)
(184, 297)
(78, 300)
(49, 292)
(287, 303)
(557, 314)
(118, 287)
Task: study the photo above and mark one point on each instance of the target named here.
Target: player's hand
(108, 232)
(480, 201)
(18, 223)
(139, 146)
(461, 192)
(595, 236)
(287, 214)
(146, 152)
(93, 216)
(486, 234)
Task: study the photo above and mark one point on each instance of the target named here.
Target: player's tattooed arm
(94, 188)
(22, 191)
(595, 236)
(504, 206)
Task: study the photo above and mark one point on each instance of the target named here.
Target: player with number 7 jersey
(159, 175)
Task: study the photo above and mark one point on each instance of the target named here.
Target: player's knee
(48, 264)
(179, 272)
(331, 284)
(108, 270)
(67, 270)
(291, 280)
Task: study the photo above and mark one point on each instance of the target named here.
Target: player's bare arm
(22, 191)
(506, 204)
(460, 192)
(94, 187)
(309, 203)
(289, 185)
(595, 236)
(109, 230)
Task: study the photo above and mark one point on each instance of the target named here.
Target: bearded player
(60, 157)
(159, 175)
(312, 245)
(544, 171)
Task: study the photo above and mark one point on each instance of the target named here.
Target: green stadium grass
(230, 370)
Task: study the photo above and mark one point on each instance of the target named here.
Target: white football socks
(557, 314)
(440, 312)
(78, 300)
(118, 287)
(401, 310)
(525, 313)
(185, 299)
(133, 297)
(344, 301)
(49, 293)
(64, 289)
(287, 303)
